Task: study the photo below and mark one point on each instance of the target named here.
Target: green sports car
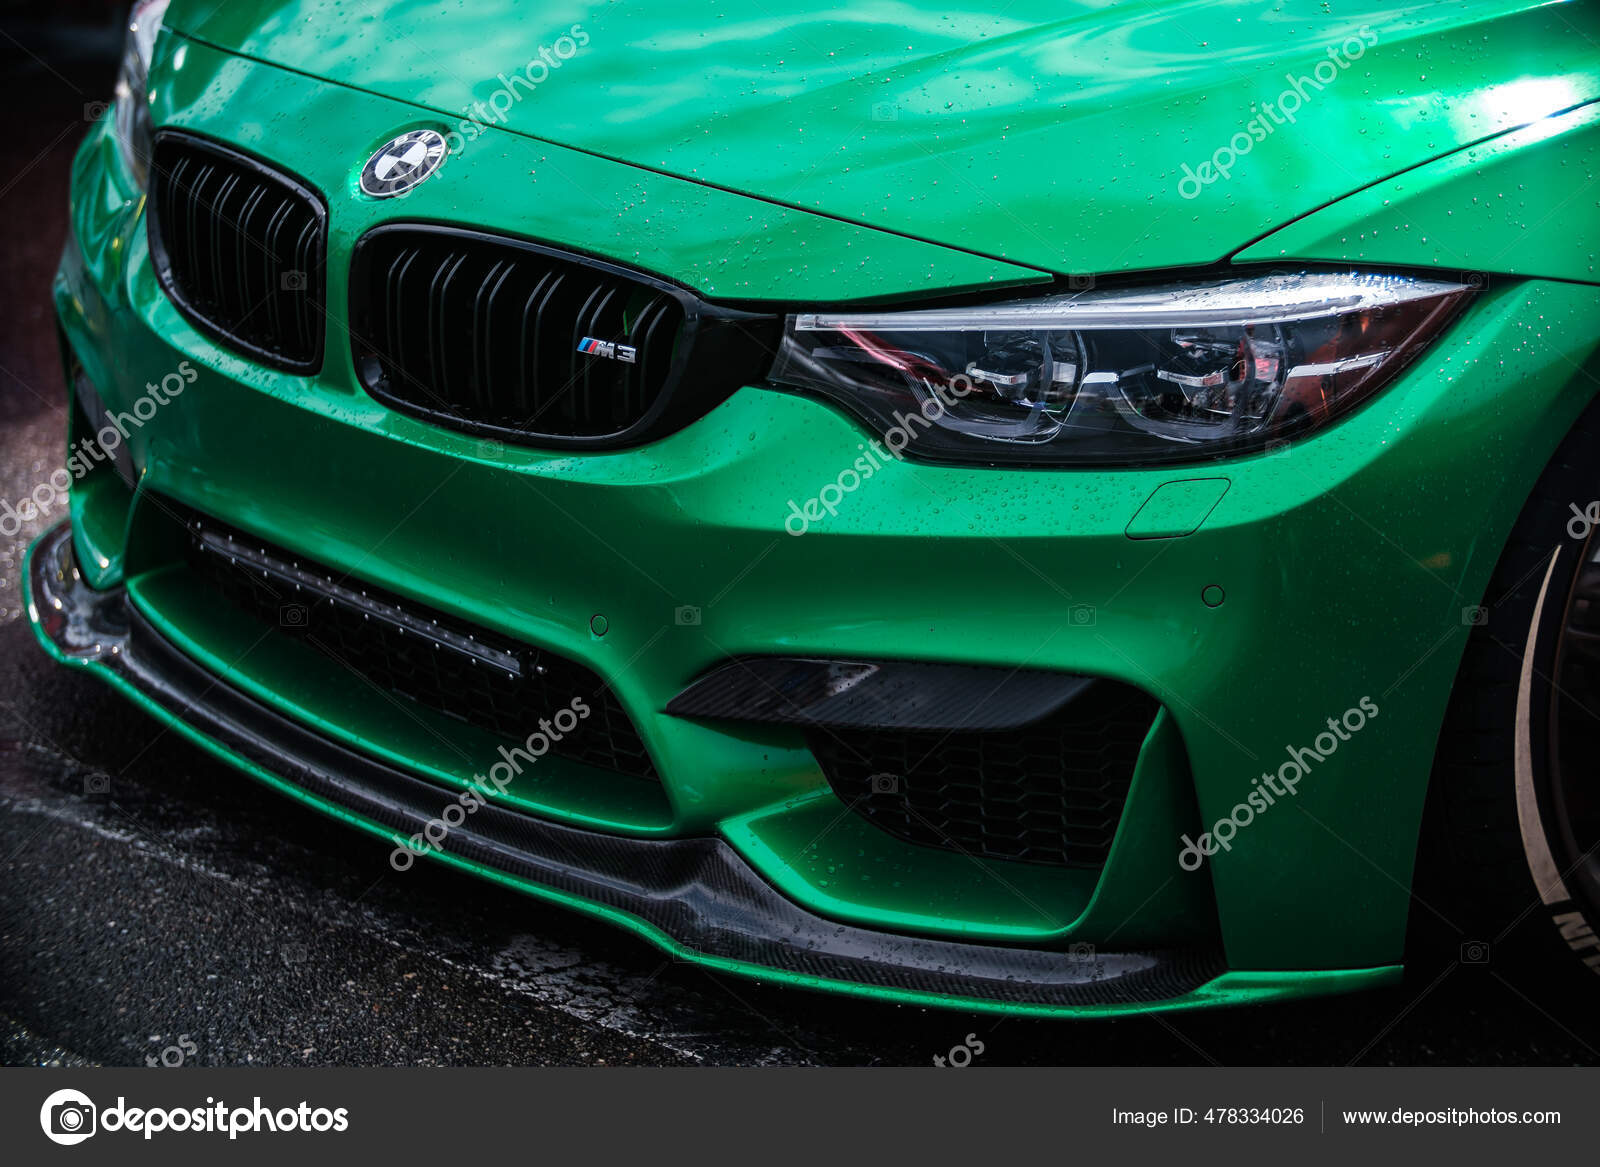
(1054, 508)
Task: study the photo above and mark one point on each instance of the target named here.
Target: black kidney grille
(482, 332)
(1049, 793)
(241, 250)
(464, 671)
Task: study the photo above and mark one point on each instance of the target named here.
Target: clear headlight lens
(1180, 373)
(132, 109)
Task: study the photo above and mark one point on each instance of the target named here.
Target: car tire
(1510, 832)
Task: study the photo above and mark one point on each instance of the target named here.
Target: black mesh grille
(241, 250)
(466, 672)
(487, 333)
(1049, 793)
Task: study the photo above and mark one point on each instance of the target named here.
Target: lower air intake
(463, 671)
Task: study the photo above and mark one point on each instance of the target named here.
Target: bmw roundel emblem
(398, 167)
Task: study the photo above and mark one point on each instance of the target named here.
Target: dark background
(156, 903)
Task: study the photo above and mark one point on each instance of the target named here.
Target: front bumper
(1346, 563)
(696, 897)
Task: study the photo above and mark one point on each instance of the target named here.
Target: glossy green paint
(1525, 203)
(1053, 134)
(1346, 559)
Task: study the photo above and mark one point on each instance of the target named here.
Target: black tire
(1502, 875)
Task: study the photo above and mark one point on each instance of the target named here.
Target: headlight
(132, 111)
(1179, 373)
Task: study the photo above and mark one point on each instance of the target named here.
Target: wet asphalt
(158, 907)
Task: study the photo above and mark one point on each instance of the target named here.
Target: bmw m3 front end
(1002, 510)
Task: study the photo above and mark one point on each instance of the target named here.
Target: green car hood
(1075, 137)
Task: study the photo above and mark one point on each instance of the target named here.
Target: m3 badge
(625, 353)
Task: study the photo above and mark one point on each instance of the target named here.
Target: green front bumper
(1345, 564)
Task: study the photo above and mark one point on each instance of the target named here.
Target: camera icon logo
(1083, 615)
(67, 1117)
(885, 783)
(294, 281)
(1475, 952)
(687, 616)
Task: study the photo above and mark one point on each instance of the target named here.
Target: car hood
(1074, 137)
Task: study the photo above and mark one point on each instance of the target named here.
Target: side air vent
(1017, 764)
(1051, 792)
